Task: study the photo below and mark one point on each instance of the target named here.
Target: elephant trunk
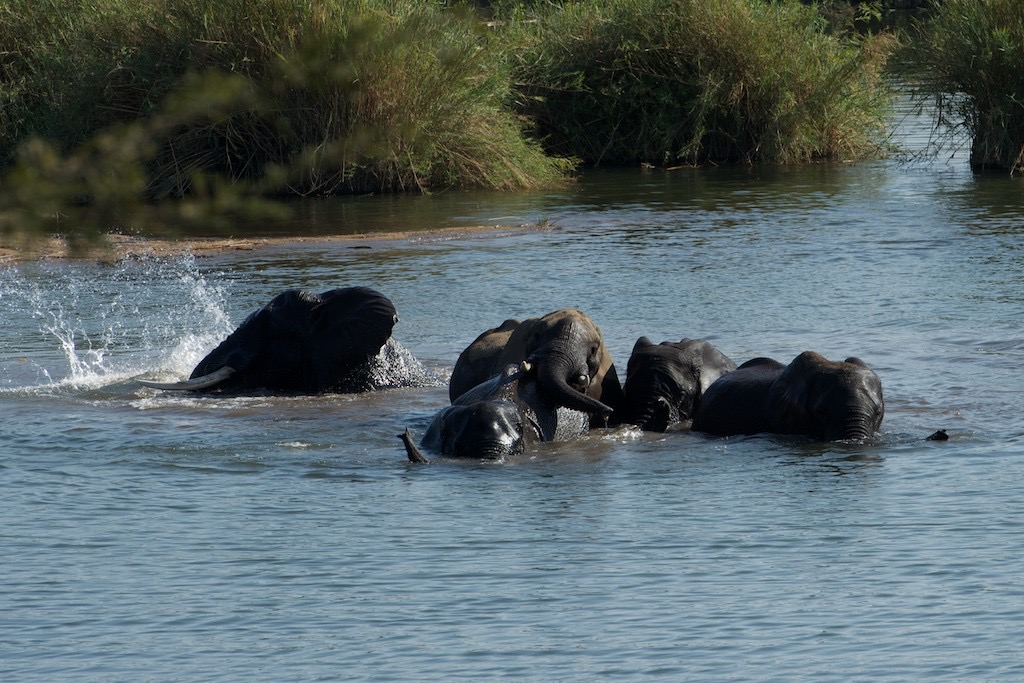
(554, 372)
(489, 450)
(859, 424)
(657, 416)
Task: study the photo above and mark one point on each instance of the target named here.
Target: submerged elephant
(300, 342)
(664, 382)
(573, 366)
(497, 419)
(813, 396)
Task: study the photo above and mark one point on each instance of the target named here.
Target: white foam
(102, 325)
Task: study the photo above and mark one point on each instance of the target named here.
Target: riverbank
(116, 247)
(369, 96)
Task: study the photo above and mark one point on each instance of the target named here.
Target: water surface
(158, 537)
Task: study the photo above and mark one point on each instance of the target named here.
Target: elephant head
(300, 342)
(497, 419)
(829, 400)
(488, 430)
(574, 367)
(664, 382)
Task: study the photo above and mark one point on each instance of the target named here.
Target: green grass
(699, 81)
(972, 55)
(110, 108)
(326, 97)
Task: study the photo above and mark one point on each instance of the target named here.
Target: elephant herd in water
(543, 379)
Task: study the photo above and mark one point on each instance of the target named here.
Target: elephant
(573, 366)
(665, 382)
(300, 343)
(498, 419)
(813, 396)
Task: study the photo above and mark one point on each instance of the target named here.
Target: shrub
(692, 81)
(333, 96)
(972, 54)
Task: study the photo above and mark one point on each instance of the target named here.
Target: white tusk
(194, 384)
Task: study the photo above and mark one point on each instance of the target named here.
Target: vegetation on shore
(351, 95)
(109, 109)
(972, 58)
(669, 82)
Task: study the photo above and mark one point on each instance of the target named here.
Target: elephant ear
(639, 348)
(479, 361)
(524, 341)
(274, 326)
(792, 392)
(347, 328)
(238, 351)
(642, 343)
(713, 364)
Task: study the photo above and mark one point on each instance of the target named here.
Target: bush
(693, 81)
(972, 54)
(333, 96)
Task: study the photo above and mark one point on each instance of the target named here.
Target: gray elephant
(665, 382)
(573, 366)
(300, 342)
(498, 419)
(813, 396)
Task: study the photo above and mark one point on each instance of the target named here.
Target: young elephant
(572, 364)
(664, 382)
(827, 400)
(300, 342)
(497, 419)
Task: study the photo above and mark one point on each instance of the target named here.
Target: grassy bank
(972, 55)
(696, 81)
(340, 96)
(109, 108)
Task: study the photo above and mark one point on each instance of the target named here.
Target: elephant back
(737, 402)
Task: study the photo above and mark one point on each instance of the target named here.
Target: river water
(156, 537)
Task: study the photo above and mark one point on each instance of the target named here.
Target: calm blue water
(153, 537)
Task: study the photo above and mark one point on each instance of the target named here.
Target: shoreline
(115, 247)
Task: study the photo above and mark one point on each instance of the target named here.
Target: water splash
(84, 326)
(395, 366)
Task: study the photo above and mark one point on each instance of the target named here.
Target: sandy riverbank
(115, 247)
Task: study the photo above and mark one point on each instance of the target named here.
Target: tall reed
(337, 95)
(972, 54)
(694, 81)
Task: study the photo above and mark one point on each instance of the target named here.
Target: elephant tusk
(195, 383)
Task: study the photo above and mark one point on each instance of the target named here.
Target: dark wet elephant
(301, 342)
(573, 366)
(664, 382)
(498, 419)
(813, 396)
